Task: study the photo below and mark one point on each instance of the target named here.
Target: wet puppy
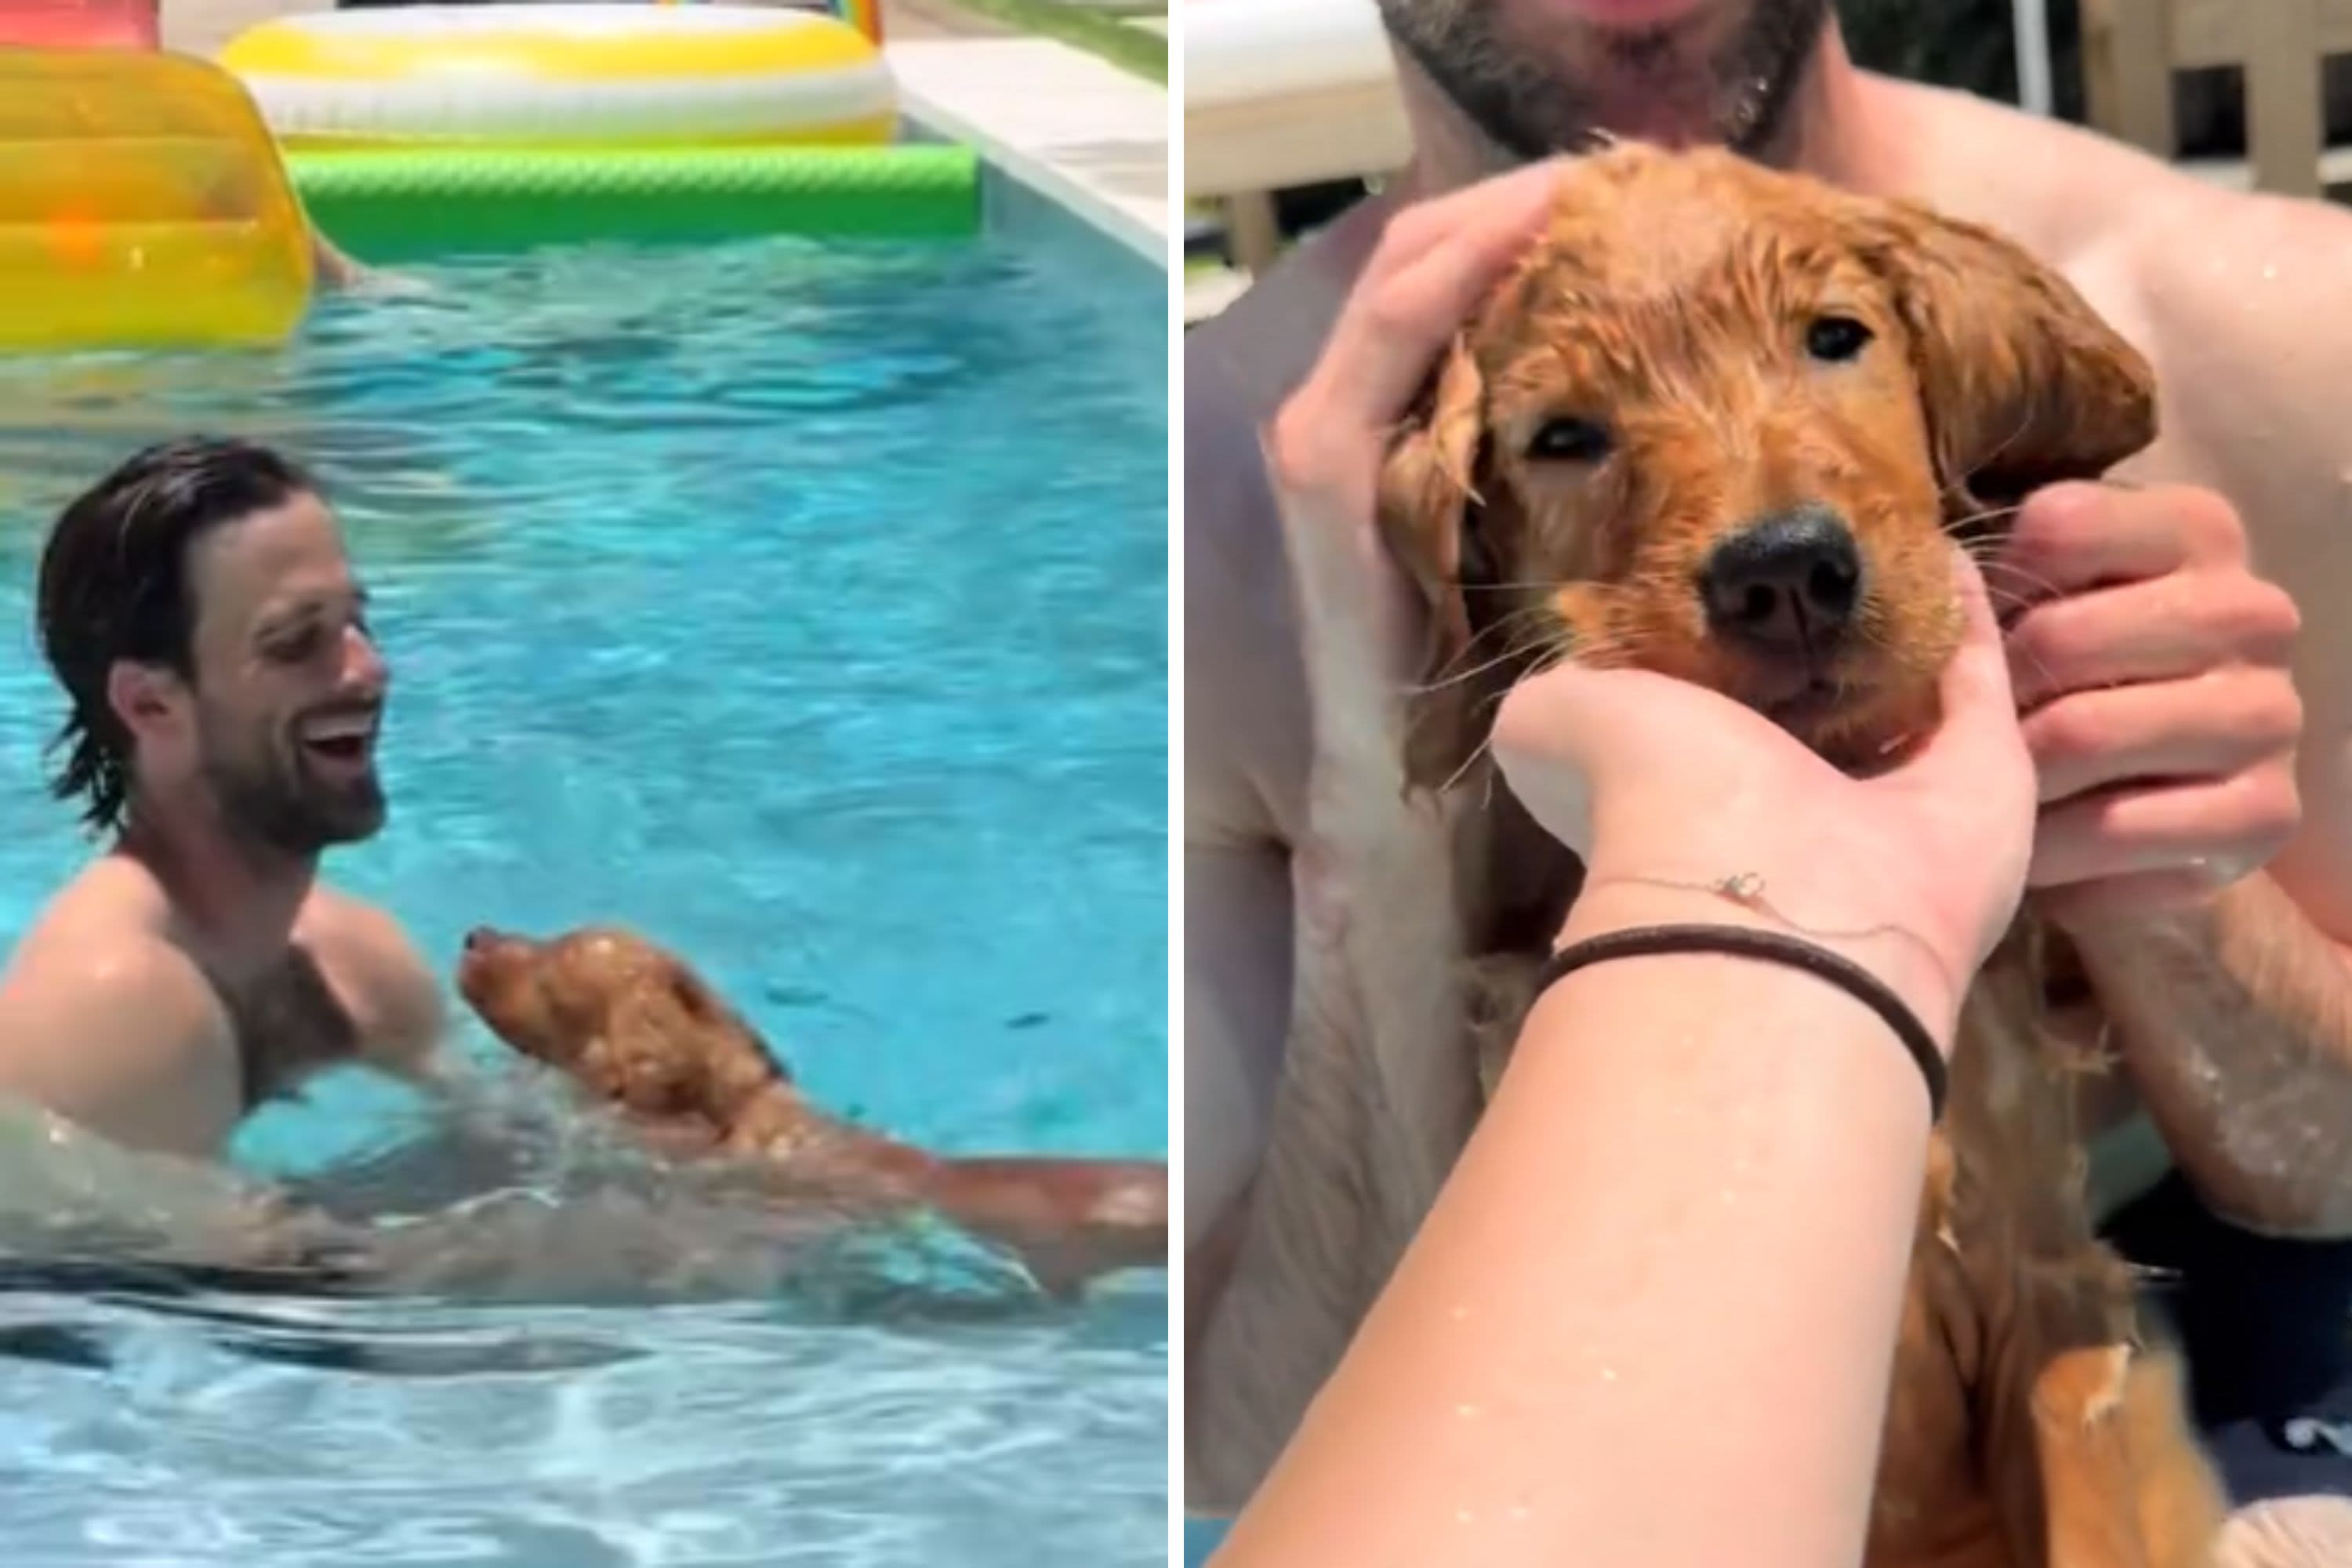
(1720, 423)
(639, 1030)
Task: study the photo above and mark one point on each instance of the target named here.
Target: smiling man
(224, 693)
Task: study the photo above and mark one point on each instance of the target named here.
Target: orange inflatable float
(142, 204)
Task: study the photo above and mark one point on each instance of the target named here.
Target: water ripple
(707, 1436)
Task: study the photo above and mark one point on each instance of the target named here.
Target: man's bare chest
(287, 1023)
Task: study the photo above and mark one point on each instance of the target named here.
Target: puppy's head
(628, 1021)
(1720, 423)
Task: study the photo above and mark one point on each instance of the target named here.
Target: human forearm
(2235, 1023)
(1238, 971)
(1548, 1367)
(335, 270)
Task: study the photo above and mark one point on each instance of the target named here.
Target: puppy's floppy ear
(743, 1061)
(2023, 383)
(1427, 500)
(641, 1063)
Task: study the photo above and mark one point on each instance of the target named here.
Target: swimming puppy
(1720, 423)
(640, 1030)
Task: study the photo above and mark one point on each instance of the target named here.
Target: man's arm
(335, 269)
(1244, 735)
(2238, 1015)
(105, 1034)
(1237, 968)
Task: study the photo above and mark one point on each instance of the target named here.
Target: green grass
(1132, 49)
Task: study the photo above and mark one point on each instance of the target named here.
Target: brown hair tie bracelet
(1749, 941)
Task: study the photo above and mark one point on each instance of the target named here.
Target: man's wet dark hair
(114, 585)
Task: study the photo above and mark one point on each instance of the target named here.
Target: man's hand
(1433, 265)
(2151, 667)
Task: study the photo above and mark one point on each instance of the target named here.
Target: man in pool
(2160, 660)
(224, 695)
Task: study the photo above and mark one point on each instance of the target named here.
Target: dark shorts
(2301, 1456)
(2266, 1325)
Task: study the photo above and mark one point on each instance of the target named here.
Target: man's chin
(347, 810)
(321, 831)
(359, 829)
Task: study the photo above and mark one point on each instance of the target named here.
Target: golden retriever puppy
(642, 1032)
(1720, 423)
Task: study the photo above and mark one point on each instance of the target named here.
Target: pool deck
(1077, 129)
(1089, 135)
(202, 26)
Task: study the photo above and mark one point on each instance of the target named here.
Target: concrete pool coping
(1079, 131)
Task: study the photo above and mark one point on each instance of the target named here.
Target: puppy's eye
(1836, 338)
(1567, 439)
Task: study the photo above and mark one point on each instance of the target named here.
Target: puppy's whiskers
(1486, 746)
(1463, 676)
(1463, 670)
(1609, 649)
(1959, 486)
(1533, 585)
(2021, 587)
(1976, 529)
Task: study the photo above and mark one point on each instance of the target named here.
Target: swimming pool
(804, 605)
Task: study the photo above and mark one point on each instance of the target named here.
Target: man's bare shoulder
(2063, 191)
(1244, 707)
(2233, 296)
(382, 977)
(1239, 366)
(1249, 356)
(110, 918)
(98, 992)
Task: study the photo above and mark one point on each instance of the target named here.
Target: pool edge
(1055, 120)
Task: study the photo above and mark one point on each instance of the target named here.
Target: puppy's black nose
(1787, 584)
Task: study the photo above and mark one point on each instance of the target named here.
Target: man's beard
(1531, 108)
(267, 799)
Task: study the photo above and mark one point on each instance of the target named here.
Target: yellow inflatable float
(142, 204)
(527, 75)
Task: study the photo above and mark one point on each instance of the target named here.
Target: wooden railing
(2132, 50)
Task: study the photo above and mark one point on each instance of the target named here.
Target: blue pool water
(802, 604)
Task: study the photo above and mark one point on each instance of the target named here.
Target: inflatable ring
(565, 76)
(142, 205)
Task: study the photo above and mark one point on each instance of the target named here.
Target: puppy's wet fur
(1720, 423)
(638, 1029)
